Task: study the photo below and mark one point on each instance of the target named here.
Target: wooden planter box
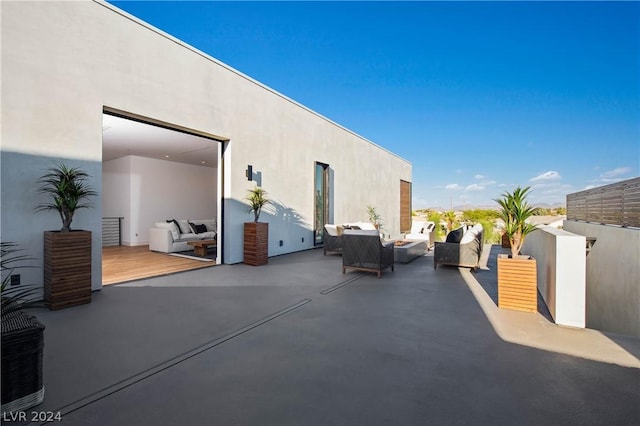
(67, 268)
(256, 243)
(517, 283)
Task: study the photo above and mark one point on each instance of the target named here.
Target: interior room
(150, 174)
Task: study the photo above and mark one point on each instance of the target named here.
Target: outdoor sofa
(332, 237)
(461, 248)
(422, 231)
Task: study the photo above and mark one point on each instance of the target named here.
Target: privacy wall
(63, 63)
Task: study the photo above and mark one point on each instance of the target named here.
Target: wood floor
(122, 263)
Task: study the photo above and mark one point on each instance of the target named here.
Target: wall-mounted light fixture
(250, 172)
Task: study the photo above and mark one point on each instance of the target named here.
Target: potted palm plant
(517, 278)
(22, 337)
(67, 252)
(374, 217)
(256, 234)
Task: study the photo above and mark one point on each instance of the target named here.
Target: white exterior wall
(144, 191)
(63, 62)
(561, 269)
(613, 277)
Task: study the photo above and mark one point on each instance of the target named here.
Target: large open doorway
(154, 172)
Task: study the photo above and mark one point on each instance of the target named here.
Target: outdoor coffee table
(200, 246)
(409, 250)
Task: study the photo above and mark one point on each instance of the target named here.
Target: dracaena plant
(68, 190)
(257, 199)
(17, 297)
(374, 217)
(514, 211)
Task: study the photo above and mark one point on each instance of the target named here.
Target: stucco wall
(63, 62)
(145, 190)
(613, 277)
(21, 224)
(560, 264)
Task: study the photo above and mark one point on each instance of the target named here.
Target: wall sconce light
(249, 172)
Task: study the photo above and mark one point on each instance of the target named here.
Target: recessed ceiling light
(204, 162)
(166, 156)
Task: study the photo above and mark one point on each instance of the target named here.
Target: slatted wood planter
(67, 268)
(517, 283)
(256, 243)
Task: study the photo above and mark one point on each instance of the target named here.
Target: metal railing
(111, 231)
(615, 204)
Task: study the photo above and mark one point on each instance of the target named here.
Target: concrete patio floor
(296, 342)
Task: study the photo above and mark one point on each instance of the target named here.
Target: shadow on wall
(288, 215)
(20, 223)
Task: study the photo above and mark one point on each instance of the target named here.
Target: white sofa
(364, 226)
(173, 236)
(422, 231)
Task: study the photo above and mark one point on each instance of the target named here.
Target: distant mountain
(492, 207)
(476, 207)
(550, 206)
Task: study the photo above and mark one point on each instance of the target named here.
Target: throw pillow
(200, 229)
(455, 236)
(184, 226)
(175, 222)
(468, 237)
(210, 224)
(193, 227)
(175, 232)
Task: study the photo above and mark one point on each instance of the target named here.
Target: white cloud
(550, 175)
(453, 186)
(474, 187)
(479, 177)
(551, 192)
(420, 203)
(615, 173)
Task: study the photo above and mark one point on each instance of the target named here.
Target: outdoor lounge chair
(332, 239)
(364, 251)
(422, 231)
(462, 248)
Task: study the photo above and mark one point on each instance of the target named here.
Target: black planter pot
(22, 351)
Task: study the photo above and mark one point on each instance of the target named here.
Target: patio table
(409, 250)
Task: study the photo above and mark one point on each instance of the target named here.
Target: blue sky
(480, 96)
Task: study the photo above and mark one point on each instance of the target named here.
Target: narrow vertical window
(321, 199)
